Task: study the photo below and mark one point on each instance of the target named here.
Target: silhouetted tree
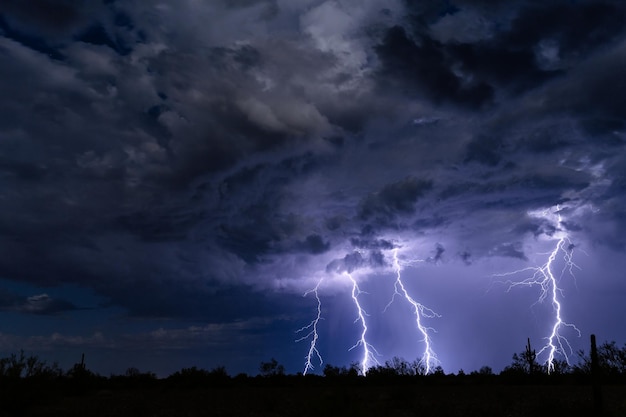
(132, 372)
(135, 374)
(560, 367)
(219, 373)
(485, 370)
(381, 371)
(524, 362)
(80, 374)
(611, 360)
(15, 365)
(331, 371)
(194, 377)
(438, 371)
(418, 367)
(271, 368)
(400, 366)
(22, 366)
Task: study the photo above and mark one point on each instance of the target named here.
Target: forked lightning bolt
(312, 333)
(429, 358)
(543, 276)
(369, 352)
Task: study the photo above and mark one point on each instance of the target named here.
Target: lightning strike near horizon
(312, 333)
(543, 276)
(429, 358)
(369, 351)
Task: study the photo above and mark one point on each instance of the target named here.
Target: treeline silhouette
(30, 386)
(524, 367)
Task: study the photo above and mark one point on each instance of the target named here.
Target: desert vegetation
(594, 386)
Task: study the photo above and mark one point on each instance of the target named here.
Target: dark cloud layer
(175, 157)
(36, 304)
(421, 68)
(45, 16)
(162, 146)
(394, 199)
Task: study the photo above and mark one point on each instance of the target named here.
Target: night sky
(176, 176)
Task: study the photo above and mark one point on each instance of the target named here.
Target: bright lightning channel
(543, 276)
(369, 351)
(312, 334)
(429, 358)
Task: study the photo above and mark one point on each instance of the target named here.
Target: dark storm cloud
(595, 98)
(48, 26)
(606, 225)
(484, 150)
(511, 250)
(209, 162)
(270, 7)
(200, 152)
(244, 3)
(355, 261)
(423, 69)
(175, 299)
(160, 338)
(394, 199)
(438, 255)
(466, 257)
(12, 342)
(44, 304)
(41, 304)
(363, 243)
(313, 244)
(348, 263)
(577, 29)
(46, 16)
(121, 155)
(22, 170)
(469, 60)
(508, 186)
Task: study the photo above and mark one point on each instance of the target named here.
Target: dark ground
(320, 399)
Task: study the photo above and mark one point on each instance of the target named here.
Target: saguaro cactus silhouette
(595, 377)
(530, 356)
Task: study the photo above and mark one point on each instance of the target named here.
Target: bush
(271, 368)
(31, 367)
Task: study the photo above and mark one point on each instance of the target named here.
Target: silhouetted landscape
(31, 387)
(191, 189)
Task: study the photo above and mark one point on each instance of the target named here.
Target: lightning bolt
(429, 358)
(369, 351)
(312, 333)
(543, 277)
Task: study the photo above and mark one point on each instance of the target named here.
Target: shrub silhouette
(196, 377)
(611, 361)
(331, 371)
(271, 368)
(19, 366)
(524, 363)
(485, 371)
(132, 378)
(28, 386)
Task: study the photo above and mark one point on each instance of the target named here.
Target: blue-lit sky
(176, 175)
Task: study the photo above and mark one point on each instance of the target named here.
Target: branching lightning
(369, 351)
(313, 355)
(312, 333)
(369, 358)
(543, 277)
(429, 358)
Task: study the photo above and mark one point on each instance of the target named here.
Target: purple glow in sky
(175, 175)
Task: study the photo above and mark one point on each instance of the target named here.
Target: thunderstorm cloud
(210, 161)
